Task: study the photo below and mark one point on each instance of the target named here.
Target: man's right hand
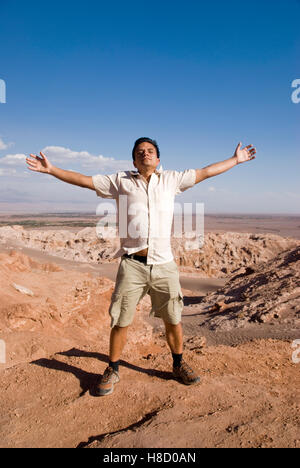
(42, 164)
(38, 164)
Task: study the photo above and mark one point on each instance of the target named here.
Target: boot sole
(187, 383)
(107, 392)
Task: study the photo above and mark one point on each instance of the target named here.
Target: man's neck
(147, 174)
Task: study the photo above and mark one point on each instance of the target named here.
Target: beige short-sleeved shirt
(145, 211)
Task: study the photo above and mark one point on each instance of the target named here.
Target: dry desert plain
(241, 318)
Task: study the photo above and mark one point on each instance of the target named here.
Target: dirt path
(109, 270)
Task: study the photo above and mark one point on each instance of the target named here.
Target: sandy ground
(248, 397)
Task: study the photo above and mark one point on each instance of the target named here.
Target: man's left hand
(244, 154)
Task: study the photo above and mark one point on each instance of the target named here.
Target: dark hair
(145, 140)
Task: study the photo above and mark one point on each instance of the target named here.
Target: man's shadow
(89, 380)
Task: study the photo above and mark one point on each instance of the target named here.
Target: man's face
(145, 156)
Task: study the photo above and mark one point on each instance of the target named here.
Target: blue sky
(84, 80)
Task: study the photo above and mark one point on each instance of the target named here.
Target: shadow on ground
(89, 380)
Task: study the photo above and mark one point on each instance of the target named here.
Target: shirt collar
(157, 171)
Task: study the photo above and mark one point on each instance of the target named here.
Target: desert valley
(241, 322)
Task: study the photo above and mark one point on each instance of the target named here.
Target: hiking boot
(109, 379)
(184, 373)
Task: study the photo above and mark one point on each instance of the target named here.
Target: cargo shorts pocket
(120, 310)
(171, 310)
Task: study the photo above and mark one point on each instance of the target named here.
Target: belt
(140, 258)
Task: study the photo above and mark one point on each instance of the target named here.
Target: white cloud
(63, 157)
(59, 155)
(13, 159)
(3, 145)
(211, 189)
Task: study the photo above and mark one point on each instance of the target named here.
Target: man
(147, 264)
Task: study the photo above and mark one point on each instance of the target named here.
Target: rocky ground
(268, 293)
(55, 325)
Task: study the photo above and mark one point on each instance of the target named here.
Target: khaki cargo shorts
(135, 280)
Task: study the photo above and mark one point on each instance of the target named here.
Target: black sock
(176, 359)
(114, 365)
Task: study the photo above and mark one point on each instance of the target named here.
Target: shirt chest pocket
(133, 197)
(127, 187)
(164, 201)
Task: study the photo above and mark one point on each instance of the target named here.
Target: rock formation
(268, 293)
(219, 256)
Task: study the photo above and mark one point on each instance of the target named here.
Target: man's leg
(118, 337)
(181, 370)
(174, 337)
(131, 286)
(167, 302)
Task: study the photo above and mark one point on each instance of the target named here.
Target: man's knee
(173, 329)
(119, 328)
(170, 311)
(174, 325)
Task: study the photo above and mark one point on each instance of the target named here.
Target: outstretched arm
(240, 156)
(42, 164)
